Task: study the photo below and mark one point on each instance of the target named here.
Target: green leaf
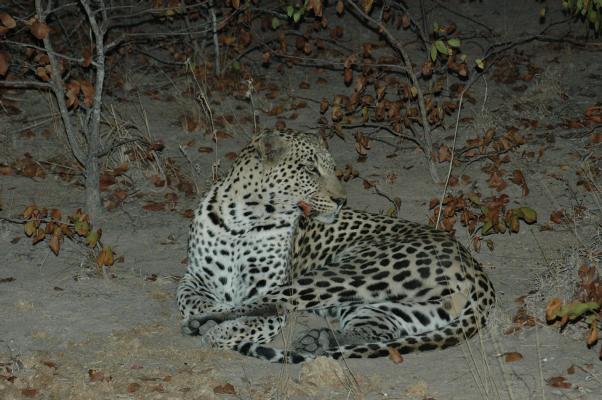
(463, 57)
(290, 10)
(275, 23)
(433, 53)
(487, 228)
(592, 16)
(575, 310)
(527, 214)
(454, 42)
(236, 66)
(441, 47)
(480, 64)
(435, 27)
(297, 16)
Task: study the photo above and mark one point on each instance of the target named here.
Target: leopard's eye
(312, 169)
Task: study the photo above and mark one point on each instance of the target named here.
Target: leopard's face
(299, 173)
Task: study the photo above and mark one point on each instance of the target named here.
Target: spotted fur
(254, 255)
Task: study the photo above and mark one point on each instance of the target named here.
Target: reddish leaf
(154, 206)
(559, 382)
(4, 63)
(394, 355)
(29, 392)
(226, 388)
(96, 376)
(557, 216)
(512, 356)
(7, 20)
(39, 29)
(133, 387)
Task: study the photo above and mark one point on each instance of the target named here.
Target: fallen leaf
(39, 29)
(557, 216)
(512, 356)
(7, 20)
(205, 150)
(133, 387)
(29, 392)
(592, 337)
(519, 179)
(4, 63)
(559, 382)
(226, 388)
(394, 355)
(551, 309)
(96, 376)
(154, 206)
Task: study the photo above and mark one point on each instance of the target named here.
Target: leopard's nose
(340, 201)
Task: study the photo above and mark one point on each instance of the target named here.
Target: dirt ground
(69, 333)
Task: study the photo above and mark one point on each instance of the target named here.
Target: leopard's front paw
(316, 341)
(198, 325)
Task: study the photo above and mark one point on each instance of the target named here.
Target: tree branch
(58, 87)
(398, 46)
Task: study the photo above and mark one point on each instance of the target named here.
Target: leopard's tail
(272, 354)
(471, 319)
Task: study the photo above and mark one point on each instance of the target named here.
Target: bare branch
(398, 46)
(58, 87)
(26, 84)
(54, 53)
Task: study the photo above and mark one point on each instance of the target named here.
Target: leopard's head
(299, 173)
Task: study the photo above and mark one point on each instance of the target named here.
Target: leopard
(274, 237)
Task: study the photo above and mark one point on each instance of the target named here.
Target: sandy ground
(68, 333)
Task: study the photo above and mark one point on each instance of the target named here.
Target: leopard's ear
(271, 147)
(323, 141)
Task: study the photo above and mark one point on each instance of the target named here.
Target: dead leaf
(105, 257)
(559, 382)
(557, 216)
(553, 306)
(88, 93)
(323, 105)
(592, 336)
(6, 170)
(29, 392)
(87, 56)
(4, 63)
(39, 29)
(55, 244)
(133, 387)
(444, 153)
(7, 20)
(512, 356)
(394, 355)
(340, 7)
(188, 213)
(154, 206)
(226, 388)
(519, 179)
(95, 375)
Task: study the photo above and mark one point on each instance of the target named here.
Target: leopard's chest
(238, 268)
